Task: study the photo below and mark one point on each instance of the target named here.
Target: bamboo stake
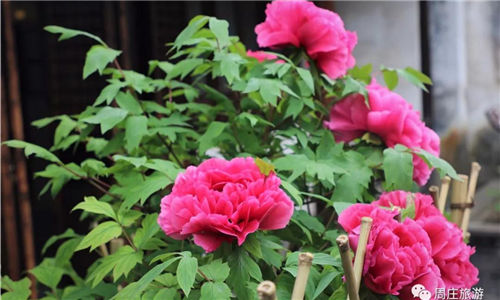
(17, 133)
(8, 197)
(266, 290)
(458, 198)
(299, 288)
(471, 191)
(343, 244)
(445, 186)
(434, 192)
(366, 225)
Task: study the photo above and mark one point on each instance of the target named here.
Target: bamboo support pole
(299, 288)
(343, 244)
(434, 192)
(443, 193)
(458, 198)
(8, 197)
(16, 120)
(471, 191)
(266, 290)
(359, 259)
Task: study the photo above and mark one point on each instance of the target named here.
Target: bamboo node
(462, 205)
(343, 243)
(266, 290)
(306, 258)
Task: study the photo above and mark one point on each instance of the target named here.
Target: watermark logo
(420, 292)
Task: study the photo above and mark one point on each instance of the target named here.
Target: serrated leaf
(398, 169)
(103, 233)
(148, 229)
(136, 127)
(33, 149)
(108, 117)
(341, 206)
(91, 204)
(194, 25)
(186, 273)
(63, 129)
(309, 221)
(293, 191)
(69, 233)
(98, 57)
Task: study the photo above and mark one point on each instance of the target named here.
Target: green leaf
(391, 78)
(216, 270)
(184, 67)
(325, 260)
(419, 75)
(229, 65)
(215, 290)
(220, 28)
(63, 129)
(108, 93)
(252, 245)
(98, 57)
(398, 169)
(94, 167)
(69, 233)
(415, 77)
(341, 206)
(163, 294)
(103, 233)
(33, 149)
(208, 139)
(264, 167)
(194, 25)
(67, 33)
(409, 210)
(16, 290)
(309, 221)
(121, 262)
(66, 251)
(351, 185)
(48, 273)
(241, 268)
(147, 231)
(139, 188)
(128, 103)
(91, 204)
(135, 289)
(362, 73)
(292, 191)
(307, 77)
(186, 273)
(136, 127)
(443, 166)
(108, 117)
(325, 281)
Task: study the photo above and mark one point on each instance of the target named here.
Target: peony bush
(250, 157)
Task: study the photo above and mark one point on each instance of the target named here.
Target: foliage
(215, 101)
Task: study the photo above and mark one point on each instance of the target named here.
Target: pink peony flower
(396, 253)
(426, 250)
(262, 56)
(389, 116)
(319, 31)
(220, 201)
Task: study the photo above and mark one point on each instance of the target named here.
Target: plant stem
(127, 237)
(203, 275)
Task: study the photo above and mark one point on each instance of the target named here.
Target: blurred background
(456, 43)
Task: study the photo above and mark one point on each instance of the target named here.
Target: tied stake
(471, 191)
(434, 192)
(445, 186)
(366, 225)
(266, 290)
(345, 254)
(458, 198)
(299, 288)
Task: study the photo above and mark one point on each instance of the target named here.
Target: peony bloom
(319, 31)
(262, 56)
(426, 249)
(220, 201)
(389, 116)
